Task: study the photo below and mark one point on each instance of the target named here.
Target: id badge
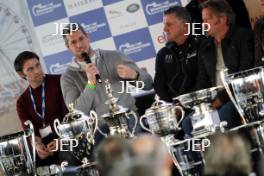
(45, 131)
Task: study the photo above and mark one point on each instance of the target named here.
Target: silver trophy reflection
(118, 116)
(76, 125)
(15, 157)
(162, 120)
(246, 91)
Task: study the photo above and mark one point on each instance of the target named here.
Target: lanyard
(42, 100)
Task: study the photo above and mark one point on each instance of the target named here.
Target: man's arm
(160, 79)
(142, 75)
(82, 101)
(246, 50)
(23, 114)
(203, 80)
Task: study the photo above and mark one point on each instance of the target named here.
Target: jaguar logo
(132, 8)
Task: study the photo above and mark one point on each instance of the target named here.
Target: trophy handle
(223, 74)
(90, 134)
(142, 124)
(182, 115)
(56, 123)
(94, 115)
(63, 165)
(33, 143)
(136, 121)
(95, 118)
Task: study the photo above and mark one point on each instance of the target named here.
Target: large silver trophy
(246, 90)
(118, 116)
(79, 127)
(205, 118)
(161, 118)
(15, 156)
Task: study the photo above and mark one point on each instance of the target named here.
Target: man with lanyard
(41, 103)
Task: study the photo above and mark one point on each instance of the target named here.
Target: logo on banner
(93, 27)
(115, 14)
(107, 2)
(137, 48)
(133, 8)
(51, 39)
(155, 7)
(128, 48)
(58, 68)
(41, 9)
(162, 38)
(80, 3)
(94, 22)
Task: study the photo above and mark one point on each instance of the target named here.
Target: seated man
(226, 47)
(176, 63)
(79, 83)
(41, 103)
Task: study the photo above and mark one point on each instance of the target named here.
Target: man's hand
(216, 103)
(52, 146)
(126, 72)
(91, 71)
(42, 151)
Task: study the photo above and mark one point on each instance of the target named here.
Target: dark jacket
(238, 55)
(259, 42)
(176, 67)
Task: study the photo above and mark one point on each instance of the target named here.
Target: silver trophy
(79, 127)
(15, 157)
(246, 90)
(161, 118)
(117, 118)
(205, 118)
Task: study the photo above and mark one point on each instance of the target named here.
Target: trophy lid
(74, 115)
(120, 110)
(158, 105)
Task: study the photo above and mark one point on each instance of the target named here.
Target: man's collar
(81, 65)
(174, 44)
(229, 36)
(230, 33)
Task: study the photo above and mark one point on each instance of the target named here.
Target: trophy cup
(15, 157)
(161, 118)
(76, 125)
(117, 118)
(246, 91)
(205, 118)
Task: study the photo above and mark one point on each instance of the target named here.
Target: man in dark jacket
(176, 63)
(226, 47)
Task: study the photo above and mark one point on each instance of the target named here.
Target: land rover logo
(132, 8)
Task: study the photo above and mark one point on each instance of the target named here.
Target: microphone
(87, 60)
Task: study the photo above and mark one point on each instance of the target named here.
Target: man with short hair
(41, 103)
(176, 63)
(79, 83)
(226, 47)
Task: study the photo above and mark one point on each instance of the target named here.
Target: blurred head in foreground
(229, 154)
